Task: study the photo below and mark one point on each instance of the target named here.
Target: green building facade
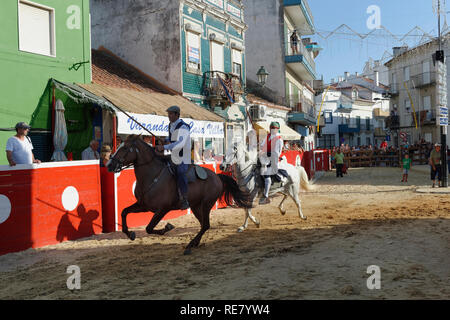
(41, 40)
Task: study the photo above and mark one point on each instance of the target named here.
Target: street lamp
(262, 75)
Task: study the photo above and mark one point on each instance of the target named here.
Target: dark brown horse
(156, 189)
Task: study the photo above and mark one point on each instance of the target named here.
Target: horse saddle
(196, 172)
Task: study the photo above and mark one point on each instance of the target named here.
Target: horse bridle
(121, 160)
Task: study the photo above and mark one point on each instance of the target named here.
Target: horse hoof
(168, 227)
(304, 218)
(283, 213)
(240, 229)
(258, 225)
(187, 252)
(132, 235)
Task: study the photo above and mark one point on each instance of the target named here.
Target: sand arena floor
(366, 218)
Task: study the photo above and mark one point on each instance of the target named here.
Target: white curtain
(60, 135)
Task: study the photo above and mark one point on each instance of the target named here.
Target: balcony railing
(379, 132)
(301, 104)
(424, 117)
(378, 112)
(423, 79)
(366, 127)
(394, 89)
(221, 86)
(300, 49)
(392, 122)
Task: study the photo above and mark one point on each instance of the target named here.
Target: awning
(148, 108)
(285, 132)
(156, 103)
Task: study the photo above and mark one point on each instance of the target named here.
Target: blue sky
(346, 52)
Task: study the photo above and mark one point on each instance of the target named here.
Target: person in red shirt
(383, 145)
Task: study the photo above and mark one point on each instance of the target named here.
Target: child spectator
(406, 166)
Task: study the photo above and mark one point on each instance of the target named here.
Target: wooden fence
(388, 158)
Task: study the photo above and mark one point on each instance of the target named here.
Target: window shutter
(217, 63)
(35, 29)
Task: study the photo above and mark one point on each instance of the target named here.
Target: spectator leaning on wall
(19, 149)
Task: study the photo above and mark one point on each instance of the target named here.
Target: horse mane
(137, 137)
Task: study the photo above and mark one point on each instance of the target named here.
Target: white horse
(248, 177)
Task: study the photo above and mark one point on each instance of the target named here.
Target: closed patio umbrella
(60, 135)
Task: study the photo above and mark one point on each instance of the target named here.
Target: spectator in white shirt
(91, 153)
(19, 147)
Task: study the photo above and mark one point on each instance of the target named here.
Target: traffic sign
(443, 121)
(443, 111)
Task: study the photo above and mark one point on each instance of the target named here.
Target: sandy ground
(366, 218)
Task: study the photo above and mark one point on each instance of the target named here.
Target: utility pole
(442, 107)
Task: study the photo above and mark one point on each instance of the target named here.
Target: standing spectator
(147, 139)
(339, 158)
(91, 153)
(118, 140)
(105, 155)
(294, 41)
(435, 163)
(406, 166)
(383, 145)
(19, 147)
(448, 159)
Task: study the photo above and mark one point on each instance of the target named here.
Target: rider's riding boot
(267, 184)
(184, 203)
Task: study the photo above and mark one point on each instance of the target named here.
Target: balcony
(427, 117)
(222, 88)
(424, 79)
(393, 89)
(344, 108)
(300, 13)
(301, 61)
(379, 113)
(392, 122)
(379, 132)
(366, 127)
(348, 128)
(303, 111)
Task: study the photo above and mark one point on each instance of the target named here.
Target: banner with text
(159, 126)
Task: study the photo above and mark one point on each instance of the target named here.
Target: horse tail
(304, 182)
(233, 196)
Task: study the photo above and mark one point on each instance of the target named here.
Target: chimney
(356, 74)
(399, 50)
(347, 75)
(377, 78)
(332, 80)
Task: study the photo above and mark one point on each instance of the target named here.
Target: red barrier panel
(293, 157)
(48, 203)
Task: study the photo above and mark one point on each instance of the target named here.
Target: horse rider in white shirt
(179, 142)
(271, 149)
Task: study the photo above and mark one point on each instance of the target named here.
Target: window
(236, 57)
(216, 56)
(406, 73)
(36, 29)
(193, 51)
(426, 72)
(427, 103)
(328, 117)
(354, 94)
